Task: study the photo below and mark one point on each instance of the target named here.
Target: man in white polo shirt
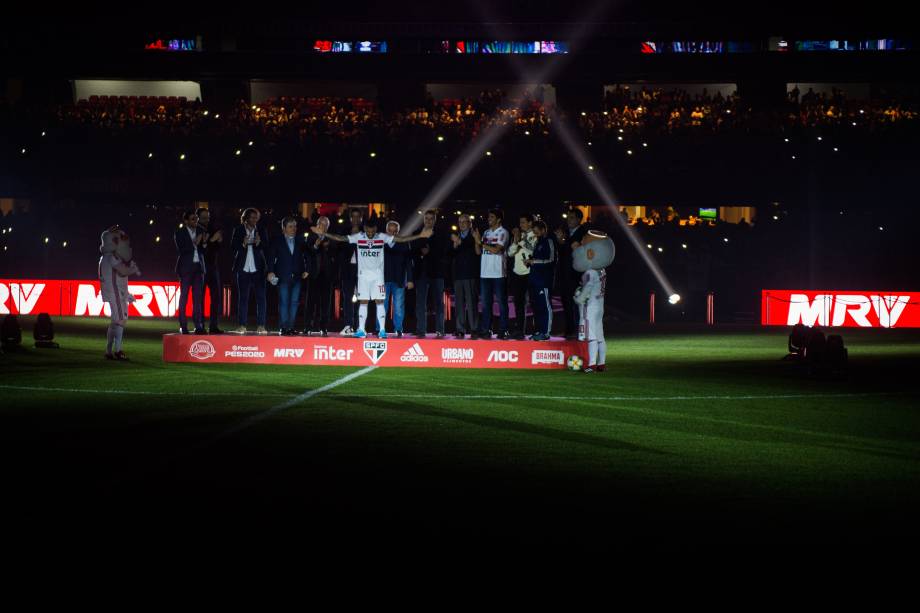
(492, 274)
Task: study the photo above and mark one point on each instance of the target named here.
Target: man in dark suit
(288, 267)
(211, 247)
(568, 278)
(430, 263)
(190, 267)
(248, 244)
(318, 313)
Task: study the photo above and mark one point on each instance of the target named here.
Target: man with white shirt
(190, 268)
(493, 271)
(371, 283)
(521, 248)
(248, 244)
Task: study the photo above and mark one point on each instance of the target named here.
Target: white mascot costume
(115, 266)
(591, 258)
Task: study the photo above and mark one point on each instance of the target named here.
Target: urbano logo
(414, 354)
(503, 356)
(375, 350)
(202, 350)
(456, 355)
(289, 353)
(328, 353)
(242, 351)
(547, 357)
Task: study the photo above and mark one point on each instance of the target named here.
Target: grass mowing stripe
(337, 382)
(70, 390)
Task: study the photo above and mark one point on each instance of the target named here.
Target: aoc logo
(202, 350)
(375, 350)
(503, 356)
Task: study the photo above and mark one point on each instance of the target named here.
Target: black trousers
(519, 288)
(570, 308)
(212, 283)
(193, 283)
(318, 313)
(349, 284)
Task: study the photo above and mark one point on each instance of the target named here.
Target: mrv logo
(289, 353)
(25, 296)
(832, 310)
(503, 356)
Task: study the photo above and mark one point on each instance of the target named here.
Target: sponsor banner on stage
(82, 298)
(847, 309)
(342, 351)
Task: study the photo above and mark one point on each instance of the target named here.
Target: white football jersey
(370, 252)
(594, 284)
(109, 279)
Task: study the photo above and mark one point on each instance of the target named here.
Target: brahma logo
(414, 354)
(242, 351)
(547, 357)
(375, 350)
(456, 355)
(289, 353)
(503, 356)
(202, 350)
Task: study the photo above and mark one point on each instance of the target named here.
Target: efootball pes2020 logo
(202, 350)
(375, 350)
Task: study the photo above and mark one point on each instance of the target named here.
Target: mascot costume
(115, 266)
(590, 259)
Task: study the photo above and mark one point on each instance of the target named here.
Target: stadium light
(526, 132)
(819, 138)
(645, 144)
(629, 152)
(250, 143)
(674, 298)
(23, 150)
(46, 238)
(43, 133)
(836, 149)
(488, 153)
(206, 112)
(683, 245)
(157, 240)
(661, 250)
(620, 138)
(425, 169)
(589, 143)
(590, 167)
(238, 152)
(64, 244)
(373, 154)
(271, 168)
(149, 155)
(440, 138)
(182, 156)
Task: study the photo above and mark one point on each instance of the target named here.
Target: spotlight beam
(474, 151)
(584, 160)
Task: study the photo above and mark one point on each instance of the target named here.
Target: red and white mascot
(115, 266)
(591, 258)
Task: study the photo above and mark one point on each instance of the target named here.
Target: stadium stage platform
(338, 350)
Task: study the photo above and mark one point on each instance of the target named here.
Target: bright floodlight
(674, 298)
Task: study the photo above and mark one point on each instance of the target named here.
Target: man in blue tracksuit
(541, 265)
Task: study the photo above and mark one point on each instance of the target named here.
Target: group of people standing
(485, 266)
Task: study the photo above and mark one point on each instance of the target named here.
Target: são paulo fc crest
(375, 350)
(201, 350)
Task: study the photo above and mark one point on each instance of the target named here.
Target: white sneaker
(241, 330)
(261, 330)
(346, 330)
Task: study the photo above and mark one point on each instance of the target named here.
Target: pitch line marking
(249, 421)
(71, 390)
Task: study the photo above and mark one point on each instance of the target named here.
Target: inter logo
(375, 350)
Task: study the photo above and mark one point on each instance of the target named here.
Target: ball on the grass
(574, 362)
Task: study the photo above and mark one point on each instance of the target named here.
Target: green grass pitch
(690, 435)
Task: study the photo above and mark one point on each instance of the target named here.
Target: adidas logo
(414, 354)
